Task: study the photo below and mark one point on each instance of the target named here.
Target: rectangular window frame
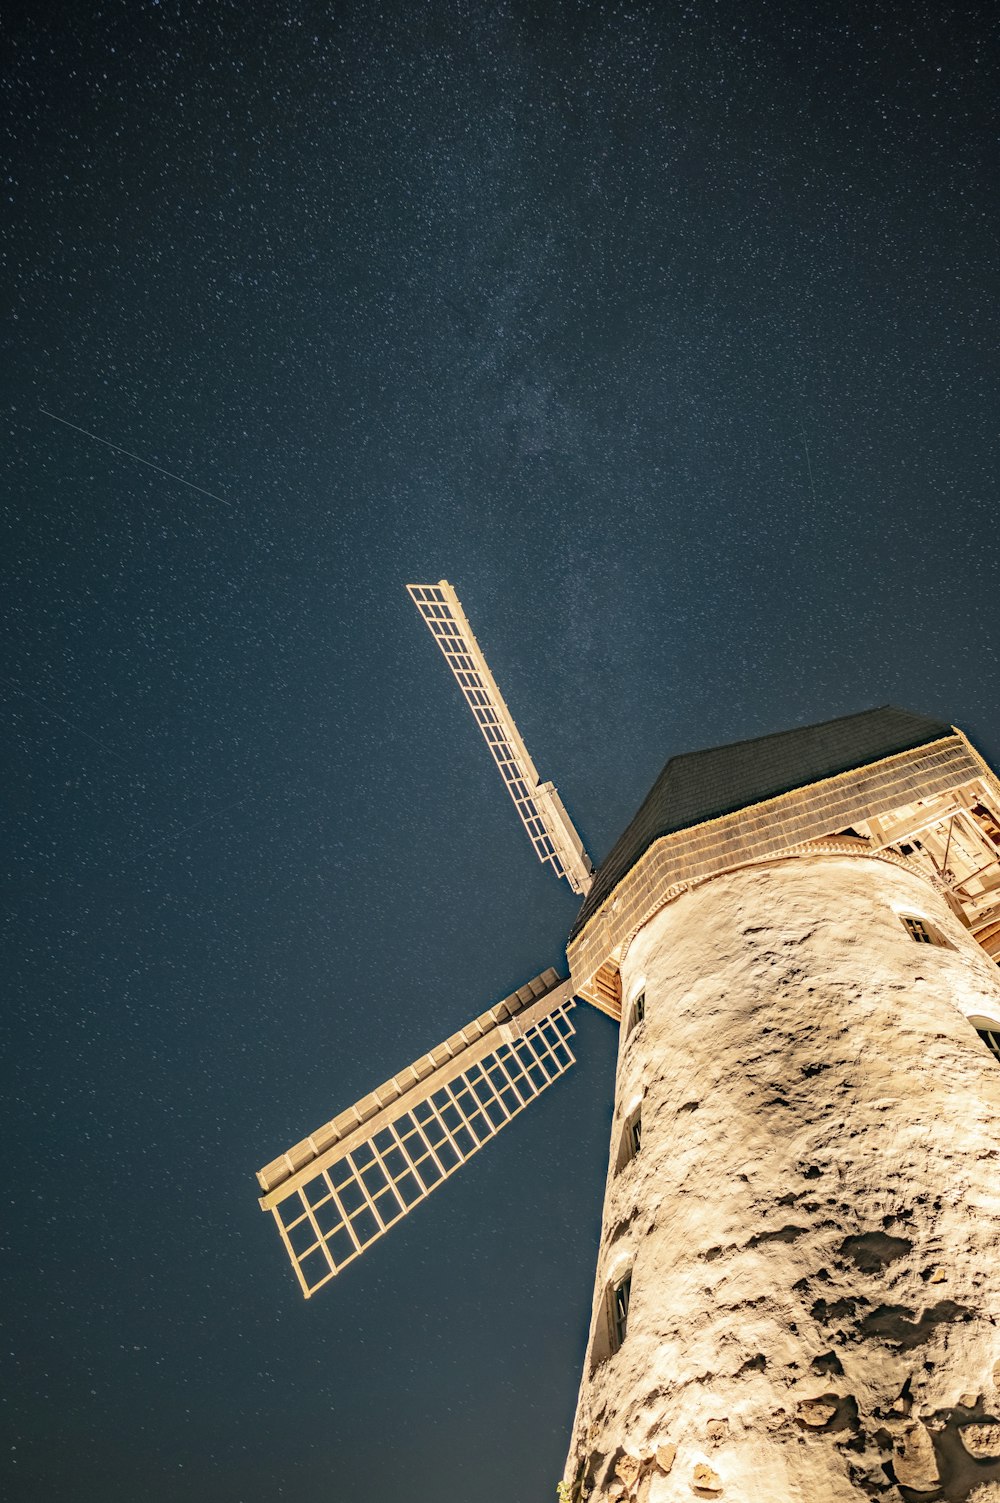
(619, 1300)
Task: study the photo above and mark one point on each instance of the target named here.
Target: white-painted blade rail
(341, 1189)
(549, 827)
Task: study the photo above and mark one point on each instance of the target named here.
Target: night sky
(669, 334)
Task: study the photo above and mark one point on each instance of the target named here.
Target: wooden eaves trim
(770, 828)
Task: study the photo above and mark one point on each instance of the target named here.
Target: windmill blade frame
(541, 810)
(348, 1183)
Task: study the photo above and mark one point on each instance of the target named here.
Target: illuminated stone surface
(812, 1223)
(981, 1441)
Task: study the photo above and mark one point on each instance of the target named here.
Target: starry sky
(668, 333)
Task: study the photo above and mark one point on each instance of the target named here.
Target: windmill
(797, 1292)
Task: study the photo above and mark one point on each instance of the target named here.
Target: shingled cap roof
(699, 786)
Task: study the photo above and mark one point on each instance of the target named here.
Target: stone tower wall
(812, 1222)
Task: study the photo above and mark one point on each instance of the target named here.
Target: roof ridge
(815, 725)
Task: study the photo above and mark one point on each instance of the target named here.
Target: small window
(991, 1038)
(620, 1295)
(631, 1139)
(638, 1011)
(611, 1322)
(923, 932)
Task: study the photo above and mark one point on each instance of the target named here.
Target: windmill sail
(542, 813)
(342, 1188)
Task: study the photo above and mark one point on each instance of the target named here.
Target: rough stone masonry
(810, 1229)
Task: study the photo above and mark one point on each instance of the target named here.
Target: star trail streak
(128, 453)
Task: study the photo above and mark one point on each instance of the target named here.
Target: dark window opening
(991, 1038)
(620, 1296)
(631, 1140)
(638, 1011)
(611, 1326)
(917, 929)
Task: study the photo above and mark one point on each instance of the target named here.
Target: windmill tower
(797, 1296)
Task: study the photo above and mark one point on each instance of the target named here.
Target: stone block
(816, 1412)
(705, 1480)
(981, 1440)
(913, 1460)
(627, 1468)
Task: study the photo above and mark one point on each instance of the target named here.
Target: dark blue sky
(563, 302)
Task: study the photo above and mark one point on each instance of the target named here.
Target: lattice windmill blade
(549, 827)
(342, 1188)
